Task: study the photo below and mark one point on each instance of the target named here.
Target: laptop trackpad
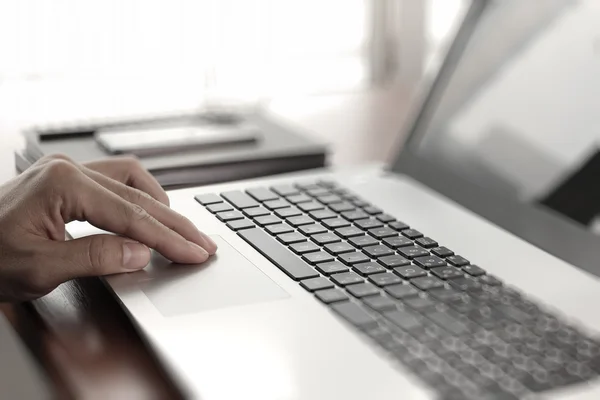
(227, 279)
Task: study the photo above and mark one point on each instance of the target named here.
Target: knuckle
(136, 214)
(99, 254)
(138, 196)
(52, 157)
(132, 162)
(60, 169)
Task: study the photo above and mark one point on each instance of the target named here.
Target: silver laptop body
(239, 327)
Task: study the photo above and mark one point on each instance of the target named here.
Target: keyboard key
(410, 272)
(313, 229)
(413, 252)
(401, 291)
(318, 191)
(397, 241)
(362, 241)
(316, 284)
(490, 280)
(349, 231)
(412, 233)
(457, 261)
(385, 218)
(279, 229)
(255, 212)
(300, 220)
(429, 262)
(419, 303)
(229, 216)
(363, 289)
(267, 220)
(474, 270)
(368, 268)
(442, 252)
(325, 238)
(353, 258)
(207, 199)
(306, 185)
(341, 207)
(317, 257)
(465, 284)
(426, 242)
(240, 224)
(346, 278)
(219, 207)
(239, 199)
(359, 202)
(329, 296)
(385, 279)
(339, 248)
(355, 314)
(445, 294)
(513, 313)
(381, 233)
(275, 204)
(299, 198)
(372, 210)
(331, 268)
(277, 254)
(262, 194)
(354, 215)
(405, 320)
(327, 184)
(427, 282)
(290, 238)
(287, 212)
(379, 250)
(447, 272)
(369, 223)
(322, 214)
(304, 247)
(398, 225)
(334, 223)
(393, 261)
(285, 190)
(332, 198)
(448, 321)
(380, 303)
(306, 207)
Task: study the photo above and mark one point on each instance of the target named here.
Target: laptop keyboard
(462, 331)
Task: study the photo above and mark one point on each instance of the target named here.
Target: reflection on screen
(519, 125)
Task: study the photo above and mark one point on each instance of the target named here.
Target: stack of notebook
(279, 148)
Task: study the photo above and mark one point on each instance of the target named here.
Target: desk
(79, 333)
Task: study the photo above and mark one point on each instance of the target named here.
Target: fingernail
(211, 246)
(135, 255)
(203, 254)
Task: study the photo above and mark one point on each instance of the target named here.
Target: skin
(117, 196)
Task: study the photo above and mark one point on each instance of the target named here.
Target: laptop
(426, 279)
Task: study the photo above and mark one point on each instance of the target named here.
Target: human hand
(118, 196)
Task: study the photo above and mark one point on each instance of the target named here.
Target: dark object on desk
(279, 150)
(578, 195)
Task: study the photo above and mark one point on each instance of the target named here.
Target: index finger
(108, 211)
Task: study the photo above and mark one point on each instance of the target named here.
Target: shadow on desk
(88, 347)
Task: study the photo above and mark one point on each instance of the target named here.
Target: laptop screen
(514, 109)
(536, 115)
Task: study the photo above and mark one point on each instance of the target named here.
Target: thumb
(102, 255)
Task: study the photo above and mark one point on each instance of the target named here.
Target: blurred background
(102, 54)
